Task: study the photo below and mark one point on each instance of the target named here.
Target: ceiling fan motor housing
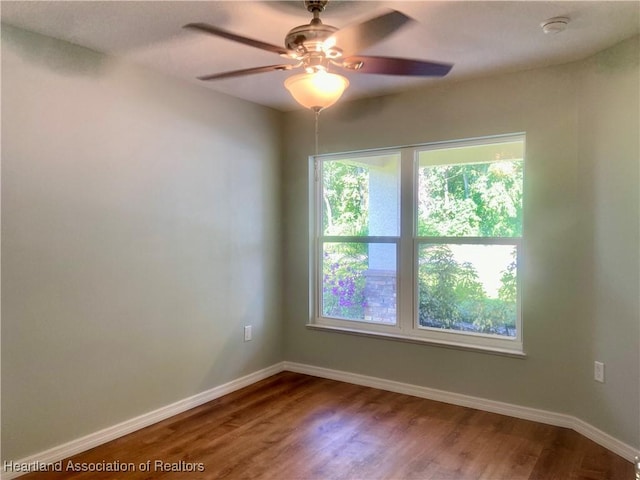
(308, 44)
(309, 37)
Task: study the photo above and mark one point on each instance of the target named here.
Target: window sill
(423, 341)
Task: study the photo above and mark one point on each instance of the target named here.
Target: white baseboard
(82, 444)
(526, 413)
(111, 433)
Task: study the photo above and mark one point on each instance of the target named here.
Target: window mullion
(315, 233)
(470, 240)
(359, 239)
(406, 290)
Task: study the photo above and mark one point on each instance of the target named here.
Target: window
(422, 243)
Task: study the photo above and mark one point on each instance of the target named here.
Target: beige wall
(609, 150)
(140, 233)
(580, 272)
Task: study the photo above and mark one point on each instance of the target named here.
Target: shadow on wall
(621, 59)
(54, 54)
(356, 110)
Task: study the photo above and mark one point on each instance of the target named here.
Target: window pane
(470, 288)
(360, 196)
(469, 197)
(359, 281)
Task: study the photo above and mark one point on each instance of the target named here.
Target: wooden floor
(293, 426)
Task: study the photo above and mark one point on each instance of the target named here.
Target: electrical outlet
(247, 333)
(598, 372)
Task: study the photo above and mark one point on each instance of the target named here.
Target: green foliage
(508, 291)
(452, 297)
(478, 200)
(345, 199)
(437, 280)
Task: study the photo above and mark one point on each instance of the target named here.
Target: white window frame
(407, 243)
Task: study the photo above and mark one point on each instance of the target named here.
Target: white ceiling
(478, 37)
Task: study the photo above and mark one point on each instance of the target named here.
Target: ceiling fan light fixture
(316, 91)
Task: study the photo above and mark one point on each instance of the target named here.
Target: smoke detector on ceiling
(555, 25)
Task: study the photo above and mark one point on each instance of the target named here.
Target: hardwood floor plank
(292, 426)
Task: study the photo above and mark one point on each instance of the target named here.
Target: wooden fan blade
(246, 71)
(395, 66)
(355, 38)
(218, 32)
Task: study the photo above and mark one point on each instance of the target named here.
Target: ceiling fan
(317, 48)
